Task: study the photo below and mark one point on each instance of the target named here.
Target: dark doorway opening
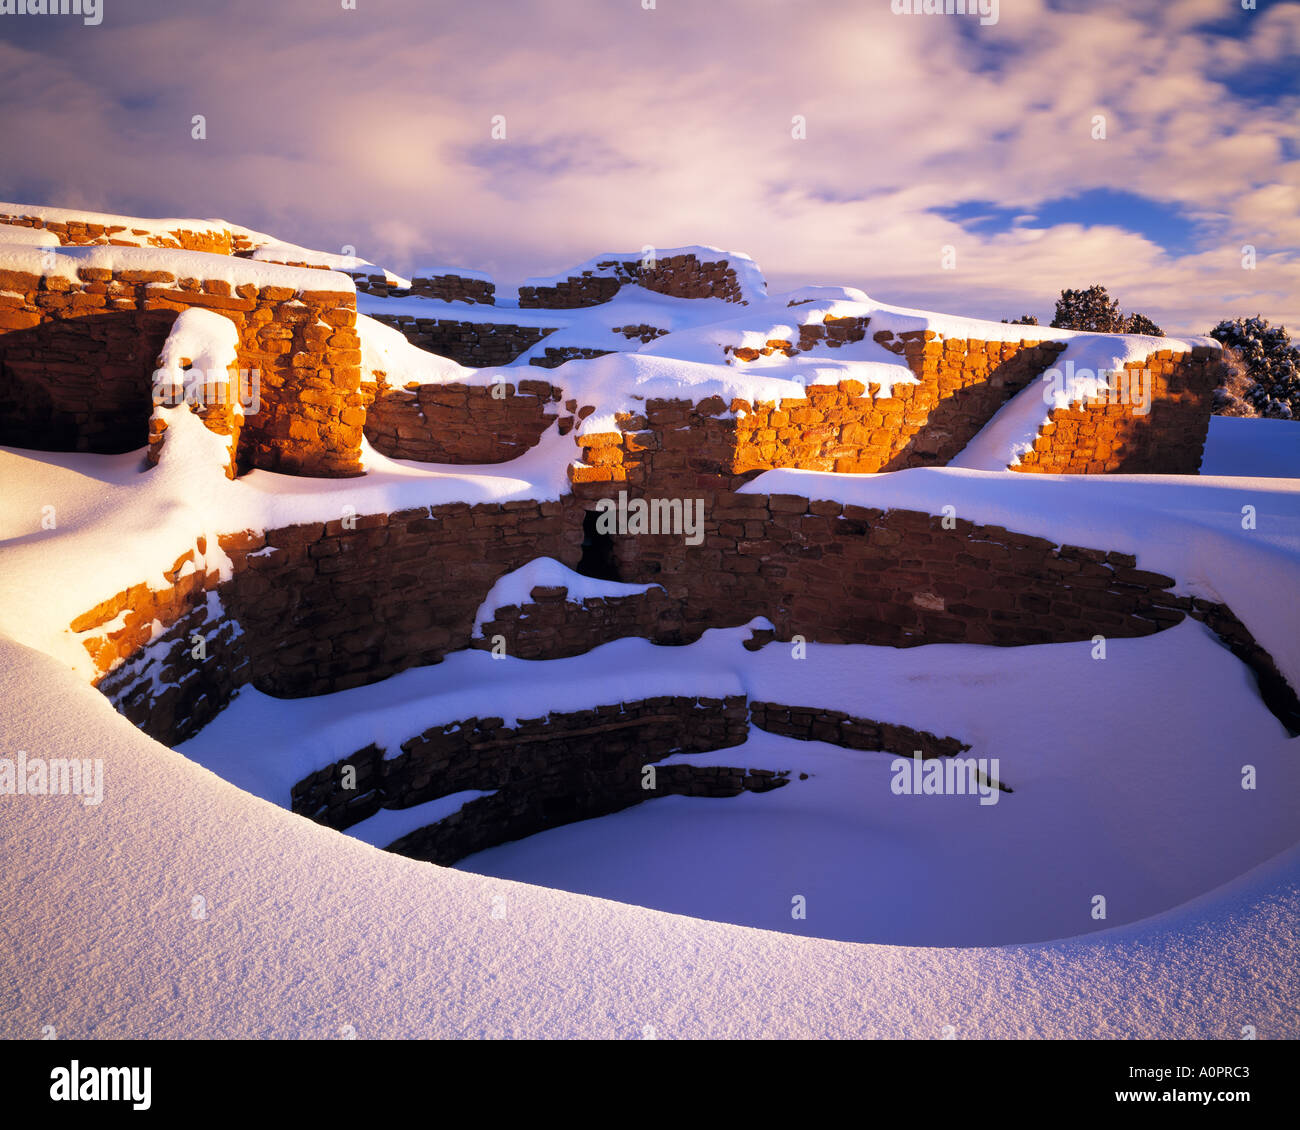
(598, 559)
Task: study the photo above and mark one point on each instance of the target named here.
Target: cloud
(628, 127)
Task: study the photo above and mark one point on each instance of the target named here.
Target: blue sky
(1162, 223)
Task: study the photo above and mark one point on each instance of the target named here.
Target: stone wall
(334, 605)
(454, 288)
(1277, 694)
(568, 766)
(1113, 435)
(168, 658)
(454, 423)
(443, 287)
(846, 428)
(846, 574)
(324, 607)
(679, 276)
(75, 371)
(95, 229)
(961, 385)
(546, 771)
(77, 358)
(477, 344)
(814, 724)
(554, 358)
(551, 626)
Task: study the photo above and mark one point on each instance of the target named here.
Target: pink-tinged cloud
(626, 127)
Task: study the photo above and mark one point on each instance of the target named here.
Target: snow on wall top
(30, 237)
(691, 361)
(209, 344)
(64, 262)
(132, 224)
(134, 526)
(516, 588)
(459, 272)
(351, 264)
(385, 350)
(753, 286)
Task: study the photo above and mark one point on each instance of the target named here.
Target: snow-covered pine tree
(1141, 324)
(1092, 310)
(1271, 361)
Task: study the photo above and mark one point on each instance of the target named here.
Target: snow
(1082, 763)
(459, 272)
(389, 825)
(622, 383)
(1252, 448)
(387, 351)
(105, 935)
(65, 261)
(134, 525)
(516, 588)
(1126, 771)
(209, 344)
(30, 237)
(131, 224)
(1188, 527)
(418, 306)
(753, 286)
(1078, 374)
(312, 733)
(276, 252)
(704, 332)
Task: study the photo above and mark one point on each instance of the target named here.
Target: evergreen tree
(1141, 324)
(1091, 310)
(1094, 311)
(1270, 360)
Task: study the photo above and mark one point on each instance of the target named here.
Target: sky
(940, 161)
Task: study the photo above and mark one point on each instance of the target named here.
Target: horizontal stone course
(1122, 434)
(77, 363)
(476, 344)
(679, 276)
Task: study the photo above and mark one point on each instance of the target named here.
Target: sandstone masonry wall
(88, 230)
(1108, 435)
(77, 360)
(477, 344)
(812, 724)
(170, 684)
(846, 574)
(551, 626)
(575, 765)
(676, 445)
(325, 607)
(679, 276)
(454, 288)
(547, 771)
(456, 423)
(329, 607)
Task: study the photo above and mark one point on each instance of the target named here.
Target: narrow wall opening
(597, 559)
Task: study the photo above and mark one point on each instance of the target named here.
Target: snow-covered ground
(182, 906)
(185, 904)
(1252, 448)
(1126, 776)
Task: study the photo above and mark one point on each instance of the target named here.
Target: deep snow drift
(184, 907)
(185, 904)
